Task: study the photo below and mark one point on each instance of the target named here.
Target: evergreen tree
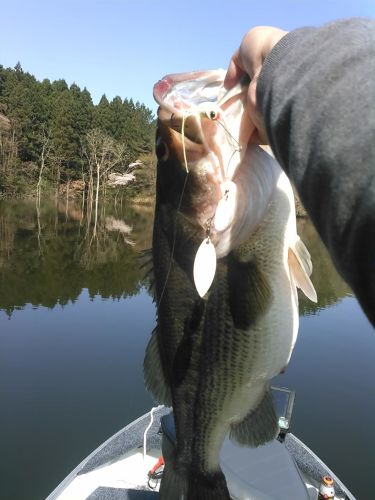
(65, 136)
(18, 68)
(82, 110)
(102, 115)
(65, 115)
(117, 117)
(24, 105)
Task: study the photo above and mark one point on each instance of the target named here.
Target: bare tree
(103, 154)
(46, 148)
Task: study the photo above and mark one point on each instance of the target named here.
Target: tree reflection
(47, 258)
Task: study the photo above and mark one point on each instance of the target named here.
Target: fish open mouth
(183, 91)
(187, 98)
(190, 102)
(186, 92)
(187, 125)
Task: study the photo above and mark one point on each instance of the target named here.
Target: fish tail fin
(174, 483)
(183, 485)
(208, 486)
(258, 427)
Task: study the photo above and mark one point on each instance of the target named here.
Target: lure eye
(212, 114)
(161, 150)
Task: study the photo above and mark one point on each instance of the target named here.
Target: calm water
(75, 317)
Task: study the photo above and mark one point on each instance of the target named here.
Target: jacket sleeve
(317, 94)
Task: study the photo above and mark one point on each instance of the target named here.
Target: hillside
(45, 132)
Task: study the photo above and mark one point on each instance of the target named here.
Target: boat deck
(117, 469)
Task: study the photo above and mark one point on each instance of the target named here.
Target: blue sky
(122, 47)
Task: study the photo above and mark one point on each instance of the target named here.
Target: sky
(122, 47)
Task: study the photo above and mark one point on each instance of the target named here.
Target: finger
(259, 136)
(255, 138)
(252, 94)
(234, 71)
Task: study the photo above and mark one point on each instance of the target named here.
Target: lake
(75, 317)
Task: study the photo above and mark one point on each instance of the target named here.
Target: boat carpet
(106, 493)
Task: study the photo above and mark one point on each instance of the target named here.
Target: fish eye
(161, 150)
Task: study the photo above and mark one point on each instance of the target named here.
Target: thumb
(253, 110)
(234, 72)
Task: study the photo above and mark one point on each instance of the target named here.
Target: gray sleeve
(317, 94)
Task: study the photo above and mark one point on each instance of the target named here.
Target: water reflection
(47, 258)
(71, 377)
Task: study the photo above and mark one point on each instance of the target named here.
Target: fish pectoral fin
(300, 267)
(250, 293)
(153, 372)
(173, 484)
(259, 426)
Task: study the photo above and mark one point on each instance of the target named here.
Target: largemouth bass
(226, 260)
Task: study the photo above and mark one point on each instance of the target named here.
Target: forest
(55, 142)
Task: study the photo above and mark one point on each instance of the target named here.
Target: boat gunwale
(301, 464)
(75, 472)
(292, 444)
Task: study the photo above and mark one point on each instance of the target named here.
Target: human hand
(249, 58)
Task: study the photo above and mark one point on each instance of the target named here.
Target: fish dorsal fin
(300, 266)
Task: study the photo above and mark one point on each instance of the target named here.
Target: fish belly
(269, 341)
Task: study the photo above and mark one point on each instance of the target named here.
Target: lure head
(201, 139)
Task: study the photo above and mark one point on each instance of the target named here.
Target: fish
(226, 263)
